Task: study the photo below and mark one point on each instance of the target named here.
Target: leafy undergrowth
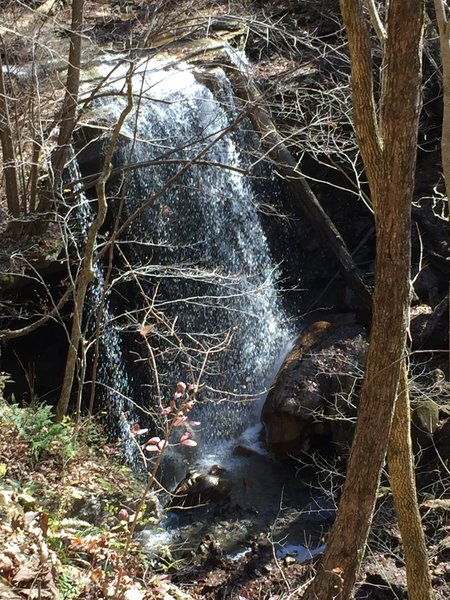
(66, 508)
(65, 511)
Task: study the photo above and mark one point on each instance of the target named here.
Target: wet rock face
(200, 488)
(315, 388)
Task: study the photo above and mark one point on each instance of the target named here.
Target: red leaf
(136, 430)
(186, 406)
(181, 387)
(153, 440)
(152, 448)
(123, 515)
(162, 444)
(189, 442)
(145, 330)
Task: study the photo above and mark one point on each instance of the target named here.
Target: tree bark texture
(403, 485)
(365, 120)
(8, 155)
(389, 155)
(349, 534)
(444, 38)
(400, 111)
(70, 103)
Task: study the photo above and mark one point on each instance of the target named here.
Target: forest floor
(66, 509)
(67, 505)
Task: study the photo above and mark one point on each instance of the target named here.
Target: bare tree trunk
(9, 157)
(389, 154)
(348, 537)
(69, 108)
(403, 485)
(444, 37)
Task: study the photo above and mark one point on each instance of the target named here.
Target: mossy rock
(425, 415)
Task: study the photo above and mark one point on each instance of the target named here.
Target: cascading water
(112, 372)
(195, 285)
(201, 279)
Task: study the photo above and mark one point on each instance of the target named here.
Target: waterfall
(195, 268)
(112, 373)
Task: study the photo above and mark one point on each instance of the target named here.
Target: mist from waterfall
(196, 271)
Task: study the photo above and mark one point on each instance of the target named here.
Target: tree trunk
(86, 274)
(7, 143)
(70, 103)
(389, 154)
(390, 306)
(365, 122)
(444, 38)
(403, 485)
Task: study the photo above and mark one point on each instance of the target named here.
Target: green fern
(68, 585)
(35, 424)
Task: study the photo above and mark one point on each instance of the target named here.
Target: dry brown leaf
(25, 574)
(6, 564)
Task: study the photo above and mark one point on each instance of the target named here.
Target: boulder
(316, 388)
(85, 505)
(385, 580)
(200, 488)
(314, 397)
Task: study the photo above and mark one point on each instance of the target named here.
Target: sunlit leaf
(181, 387)
(153, 440)
(162, 444)
(152, 448)
(145, 330)
(136, 430)
(189, 442)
